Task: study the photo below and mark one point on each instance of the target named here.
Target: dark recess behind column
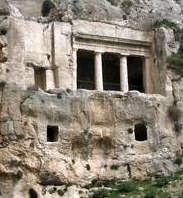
(135, 73)
(85, 70)
(111, 71)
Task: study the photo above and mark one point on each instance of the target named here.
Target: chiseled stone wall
(29, 8)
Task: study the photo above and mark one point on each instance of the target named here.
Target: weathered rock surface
(134, 10)
(96, 133)
(137, 13)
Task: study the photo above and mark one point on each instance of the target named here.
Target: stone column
(50, 82)
(98, 71)
(123, 74)
(74, 56)
(147, 75)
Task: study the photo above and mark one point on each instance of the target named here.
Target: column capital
(98, 52)
(74, 49)
(124, 55)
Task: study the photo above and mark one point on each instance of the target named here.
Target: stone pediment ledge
(108, 39)
(111, 32)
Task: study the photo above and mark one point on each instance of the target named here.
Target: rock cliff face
(50, 140)
(135, 12)
(96, 133)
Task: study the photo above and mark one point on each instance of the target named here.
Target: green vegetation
(175, 116)
(176, 60)
(114, 167)
(126, 5)
(162, 182)
(126, 187)
(102, 193)
(179, 159)
(167, 24)
(46, 7)
(156, 188)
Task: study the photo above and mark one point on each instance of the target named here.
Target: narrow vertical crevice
(2, 85)
(129, 170)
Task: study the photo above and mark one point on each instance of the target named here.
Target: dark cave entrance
(33, 193)
(52, 133)
(140, 132)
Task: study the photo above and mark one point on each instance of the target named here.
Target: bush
(179, 159)
(178, 127)
(2, 83)
(176, 62)
(102, 193)
(126, 187)
(162, 194)
(114, 195)
(161, 182)
(150, 194)
(175, 115)
(114, 167)
(167, 24)
(126, 5)
(46, 7)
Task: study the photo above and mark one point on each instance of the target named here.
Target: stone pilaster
(50, 82)
(147, 75)
(74, 54)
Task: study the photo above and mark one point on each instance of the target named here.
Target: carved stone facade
(53, 47)
(80, 97)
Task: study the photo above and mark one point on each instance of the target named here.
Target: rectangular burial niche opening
(135, 73)
(111, 71)
(85, 70)
(40, 77)
(52, 133)
(140, 132)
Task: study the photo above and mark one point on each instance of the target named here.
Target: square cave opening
(52, 133)
(140, 130)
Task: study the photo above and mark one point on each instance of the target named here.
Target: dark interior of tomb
(52, 133)
(40, 78)
(32, 193)
(111, 71)
(135, 73)
(140, 132)
(85, 70)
